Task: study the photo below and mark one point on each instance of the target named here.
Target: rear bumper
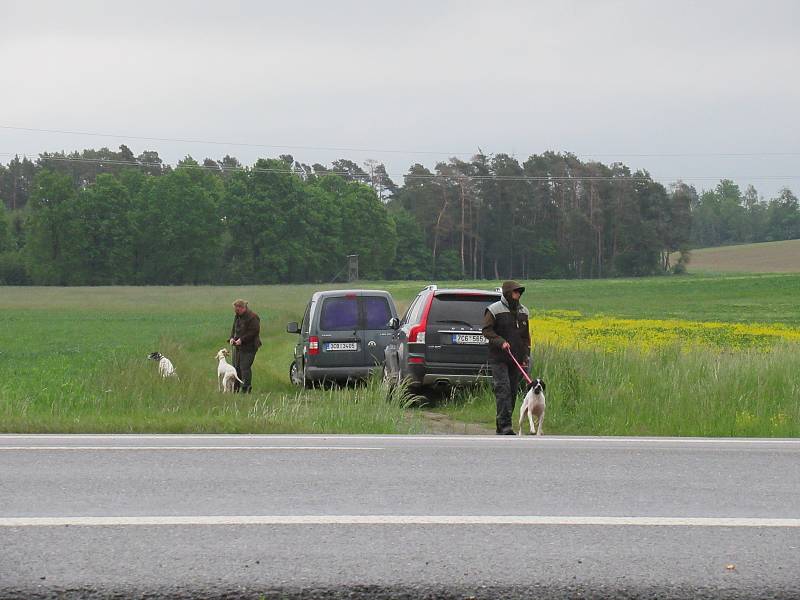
(449, 374)
(339, 373)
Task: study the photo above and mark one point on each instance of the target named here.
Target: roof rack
(432, 287)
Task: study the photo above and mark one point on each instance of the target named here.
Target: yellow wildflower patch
(572, 329)
(779, 420)
(744, 419)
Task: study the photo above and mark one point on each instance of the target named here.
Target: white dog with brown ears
(533, 406)
(226, 373)
(165, 366)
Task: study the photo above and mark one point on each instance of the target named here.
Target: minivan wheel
(294, 374)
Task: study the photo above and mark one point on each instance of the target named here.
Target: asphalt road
(381, 516)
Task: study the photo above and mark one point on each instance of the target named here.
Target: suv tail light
(313, 345)
(417, 332)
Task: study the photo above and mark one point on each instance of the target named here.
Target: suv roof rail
(499, 290)
(432, 286)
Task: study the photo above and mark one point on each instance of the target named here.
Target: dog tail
(237, 379)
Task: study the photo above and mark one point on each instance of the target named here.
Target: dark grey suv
(438, 343)
(342, 337)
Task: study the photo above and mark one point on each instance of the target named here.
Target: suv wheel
(389, 380)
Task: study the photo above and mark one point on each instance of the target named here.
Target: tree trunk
(436, 231)
(463, 268)
(599, 252)
(475, 243)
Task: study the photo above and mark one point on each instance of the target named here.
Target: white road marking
(159, 448)
(533, 440)
(397, 520)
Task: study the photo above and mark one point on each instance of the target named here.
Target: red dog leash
(519, 366)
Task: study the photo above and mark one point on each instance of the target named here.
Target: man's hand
(506, 346)
(237, 342)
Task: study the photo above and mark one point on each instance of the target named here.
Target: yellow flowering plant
(571, 329)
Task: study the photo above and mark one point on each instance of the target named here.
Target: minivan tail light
(416, 360)
(313, 344)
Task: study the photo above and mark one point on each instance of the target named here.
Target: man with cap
(246, 340)
(505, 325)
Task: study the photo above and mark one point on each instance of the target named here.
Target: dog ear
(544, 387)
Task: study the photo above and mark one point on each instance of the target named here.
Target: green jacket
(502, 324)
(505, 321)
(247, 327)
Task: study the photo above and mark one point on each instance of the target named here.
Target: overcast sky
(670, 86)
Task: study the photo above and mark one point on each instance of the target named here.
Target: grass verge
(73, 360)
(675, 392)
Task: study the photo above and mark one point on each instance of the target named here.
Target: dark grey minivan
(343, 336)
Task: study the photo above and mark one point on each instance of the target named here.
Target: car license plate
(349, 346)
(469, 338)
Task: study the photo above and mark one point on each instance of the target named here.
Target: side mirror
(394, 323)
(292, 328)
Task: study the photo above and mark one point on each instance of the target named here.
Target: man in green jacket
(505, 325)
(245, 339)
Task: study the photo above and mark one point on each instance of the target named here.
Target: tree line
(103, 217)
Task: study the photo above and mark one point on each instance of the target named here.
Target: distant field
(766, 257)
(73, 360)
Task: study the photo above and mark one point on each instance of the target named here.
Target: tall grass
(73, 360)
(694, 392)
(130, 399)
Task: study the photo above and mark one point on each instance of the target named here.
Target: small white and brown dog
(165, 366)
(533, 405)
(226, 373)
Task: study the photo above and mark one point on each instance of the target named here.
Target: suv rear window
(460, 310)
(339, 314)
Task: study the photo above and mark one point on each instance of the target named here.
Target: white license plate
(349, 346)
(469, 338)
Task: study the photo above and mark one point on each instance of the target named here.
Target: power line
(366, 177)
(689, 154)
(397, 151)
(242, 144)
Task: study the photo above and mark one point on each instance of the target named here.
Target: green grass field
(73, 360)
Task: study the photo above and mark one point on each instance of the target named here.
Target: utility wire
(243, 144)
(397, 151)
(377, 176)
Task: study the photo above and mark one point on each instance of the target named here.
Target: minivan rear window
(377, 312)
(339, 314)
(460, 310)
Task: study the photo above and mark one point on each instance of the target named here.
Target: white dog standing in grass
(165, 366)
(533, 406)
(226, 373)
